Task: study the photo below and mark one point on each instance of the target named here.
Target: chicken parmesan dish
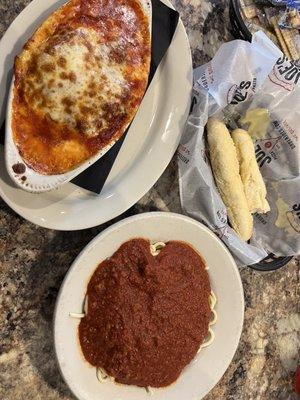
(79, 81)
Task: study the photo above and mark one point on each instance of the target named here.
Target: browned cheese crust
(79, 81)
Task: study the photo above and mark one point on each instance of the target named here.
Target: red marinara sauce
(147, 316)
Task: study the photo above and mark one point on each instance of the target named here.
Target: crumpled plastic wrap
(240, 77)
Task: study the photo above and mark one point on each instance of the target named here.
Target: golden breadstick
(225, 168)
(254, 185)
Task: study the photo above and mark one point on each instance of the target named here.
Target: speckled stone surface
(33, 262)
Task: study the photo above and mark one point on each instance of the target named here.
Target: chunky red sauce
(147, 316)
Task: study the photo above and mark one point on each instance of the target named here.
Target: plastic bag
(243, 76)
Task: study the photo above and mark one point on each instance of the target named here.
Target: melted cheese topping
(79, 81)
(75, 80)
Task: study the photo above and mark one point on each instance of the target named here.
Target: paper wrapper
(240, 77)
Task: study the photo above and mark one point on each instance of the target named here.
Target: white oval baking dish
(24, 176)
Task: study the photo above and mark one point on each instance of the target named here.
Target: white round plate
(148, 148)
(207, 368)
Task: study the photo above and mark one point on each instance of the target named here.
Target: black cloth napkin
(164, 23)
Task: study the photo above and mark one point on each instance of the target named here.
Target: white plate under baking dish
(209, 365)
(36, 182)
(148, 148)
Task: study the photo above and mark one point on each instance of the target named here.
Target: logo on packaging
(239, 93)
(285, 73)
(183, 154)
(267, 149)
(262, 157)
(293, 217)
(222, 230)
(207, 78)
(288, 217)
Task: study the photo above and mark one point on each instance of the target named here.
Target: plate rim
(123, 223)
(139, 192)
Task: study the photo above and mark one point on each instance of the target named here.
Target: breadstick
(254, 185)
(225, 168)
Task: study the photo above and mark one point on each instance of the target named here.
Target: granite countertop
(33, 262)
